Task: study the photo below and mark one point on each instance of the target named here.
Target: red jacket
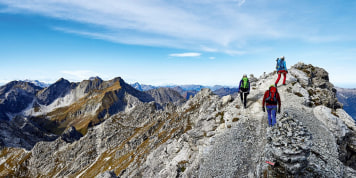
(267, 104)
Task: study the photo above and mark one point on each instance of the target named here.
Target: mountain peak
(95, 78)
(61, 80)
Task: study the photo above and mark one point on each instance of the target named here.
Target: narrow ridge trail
(225, 158)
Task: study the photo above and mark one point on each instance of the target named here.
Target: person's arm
(264, 101)
(277, 64)
(249, 85)
(240, 85)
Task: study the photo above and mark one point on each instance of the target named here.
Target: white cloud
(185, 55)
(226, 25)
(79, 75)
(152, 22)
(211, 58)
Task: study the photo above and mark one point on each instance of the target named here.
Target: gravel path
(237, 151)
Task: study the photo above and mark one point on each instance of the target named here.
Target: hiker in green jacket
(244, 89)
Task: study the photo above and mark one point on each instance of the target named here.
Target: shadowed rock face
(15, 97)
(166, 95)
(22, 133)
(71, 135)
(187, 94)
(207, 136)
(54, 91)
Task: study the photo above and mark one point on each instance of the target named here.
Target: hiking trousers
(271, 113)
(279, 77)
(243, 96)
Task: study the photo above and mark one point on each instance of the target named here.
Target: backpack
(280, 65)
(272, 96)
(245, 83)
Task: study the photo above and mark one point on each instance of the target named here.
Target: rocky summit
(99, 128)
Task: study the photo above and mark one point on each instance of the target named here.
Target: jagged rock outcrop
(315, 81)
(207, 136)
(15, 97)
(59, 89)
(166, 95)
(252, 79)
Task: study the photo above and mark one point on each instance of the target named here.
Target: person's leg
(245, 99)
(285, 76)
(269, 114)
(274, 113)
(279, 77)
(241, 97)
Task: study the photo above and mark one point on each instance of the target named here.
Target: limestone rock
(226, 99)
(289, 145)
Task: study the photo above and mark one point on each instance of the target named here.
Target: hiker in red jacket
(281, 69)
(270, 100)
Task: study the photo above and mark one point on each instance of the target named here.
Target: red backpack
(272, 95)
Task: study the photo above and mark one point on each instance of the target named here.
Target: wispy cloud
(185, 55)
(240, 2)
(209, 49)
(205, 25)
(211, 58)
(79, 74)
(152, 22)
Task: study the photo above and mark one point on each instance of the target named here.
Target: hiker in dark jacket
(281, 69)
(244, 89)
(270, 100)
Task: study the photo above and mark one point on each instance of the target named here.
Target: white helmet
(282, 57)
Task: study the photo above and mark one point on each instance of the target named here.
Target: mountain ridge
(206, 136)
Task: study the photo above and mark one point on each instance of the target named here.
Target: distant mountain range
(348, 98)
(188, 91)
(143, 87)
(97, 128)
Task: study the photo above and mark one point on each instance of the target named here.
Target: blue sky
(163, 42)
